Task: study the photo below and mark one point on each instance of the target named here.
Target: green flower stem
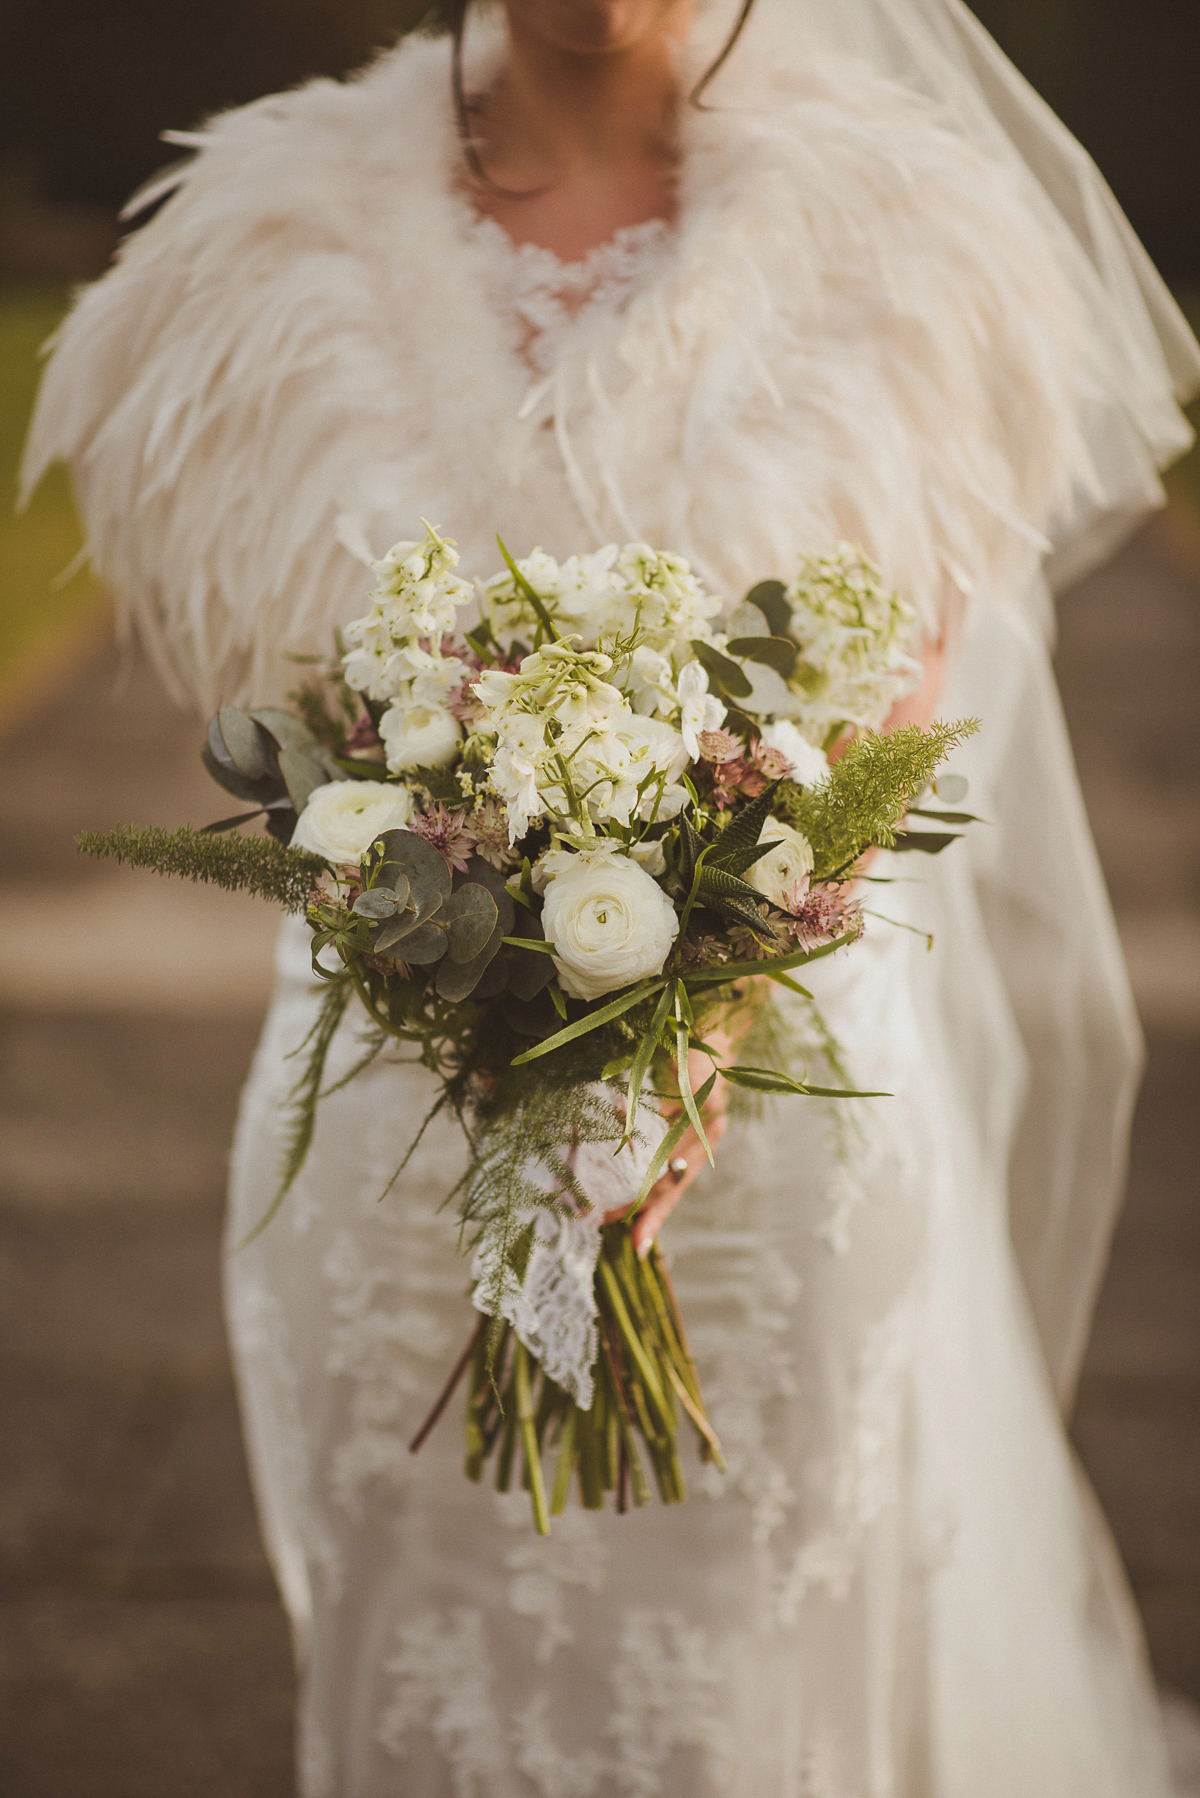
(633, 1343)
(566, 1461)
(508, 1440)
(529, 1440)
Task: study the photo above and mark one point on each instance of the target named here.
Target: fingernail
(645, 1247)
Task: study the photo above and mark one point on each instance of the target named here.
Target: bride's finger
(666, 1193)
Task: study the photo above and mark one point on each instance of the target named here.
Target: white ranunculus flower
(807, 763)
(419, 736)
(776, 872)
(343, 818)
(610, 924)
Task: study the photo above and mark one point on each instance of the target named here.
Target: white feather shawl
(860, 329)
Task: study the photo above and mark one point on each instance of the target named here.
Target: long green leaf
(642, 1060)
(684, 1073)
(740, 970)
(659, 1158)
(770, 1080)
(535, 599)
(592, 1021)
(793, 986)
(927, 842)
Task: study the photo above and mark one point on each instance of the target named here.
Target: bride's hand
(667, 1191)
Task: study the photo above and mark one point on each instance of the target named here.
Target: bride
(739, 286)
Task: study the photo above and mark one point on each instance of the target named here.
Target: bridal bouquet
(553, 831)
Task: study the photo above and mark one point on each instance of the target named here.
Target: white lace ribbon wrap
(553, 1309)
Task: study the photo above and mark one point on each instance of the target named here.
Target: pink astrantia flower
(489, 824)
(364, 736)
(818, 914)
(720, 746)
(772, 764)
(448, 833)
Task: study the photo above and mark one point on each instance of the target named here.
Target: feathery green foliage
(867, 792)
(302, 1100)
(246, 864)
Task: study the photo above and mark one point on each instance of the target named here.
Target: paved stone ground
(142, 1648)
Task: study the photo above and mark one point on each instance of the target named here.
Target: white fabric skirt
(901, 1589)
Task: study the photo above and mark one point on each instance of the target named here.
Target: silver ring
(678, 1167)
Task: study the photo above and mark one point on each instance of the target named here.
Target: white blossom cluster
(605, 595)
(608, 597)
(569, 746)
(855, 641)
(398, 655)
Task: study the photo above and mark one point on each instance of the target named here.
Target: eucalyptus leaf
(302, 774)
(494, 979)
(421, 946)
(471, 914)
(288, 731)
(770, 598)
(951, 787)
(222, 824)
(394, 930)
(247, 748)
(227, 776)
(744, 621)
(457, 980)
(774, 652)
(377, 902)
(769, 692)
(481, 873)
(423, 866)
(528, 970)
(725, 675)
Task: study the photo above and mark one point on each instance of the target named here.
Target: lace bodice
(550, 297)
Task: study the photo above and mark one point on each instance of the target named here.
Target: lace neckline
(551, 298)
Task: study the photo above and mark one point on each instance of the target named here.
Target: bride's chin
(596, 27)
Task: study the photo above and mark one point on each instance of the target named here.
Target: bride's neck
(581, 145)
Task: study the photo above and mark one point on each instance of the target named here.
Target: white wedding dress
(863, 324)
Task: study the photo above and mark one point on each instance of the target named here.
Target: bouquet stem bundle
(644, 1376)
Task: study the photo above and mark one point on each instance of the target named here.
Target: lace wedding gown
(860, 326)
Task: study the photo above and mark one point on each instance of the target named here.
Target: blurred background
(142, 1648)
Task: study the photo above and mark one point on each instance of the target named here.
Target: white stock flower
(604, 595)
(419, 736)
(343, 818)
(777, 872)
(806, 763)
(856, 641)
(650, 855)
(521, 740)
(414, 604)
(698, 708)
(609, 922)
(568, 744)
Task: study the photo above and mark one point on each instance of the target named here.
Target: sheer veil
(1048, 1056)
(1145, 356)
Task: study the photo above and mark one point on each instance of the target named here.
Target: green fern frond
(867, 792)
